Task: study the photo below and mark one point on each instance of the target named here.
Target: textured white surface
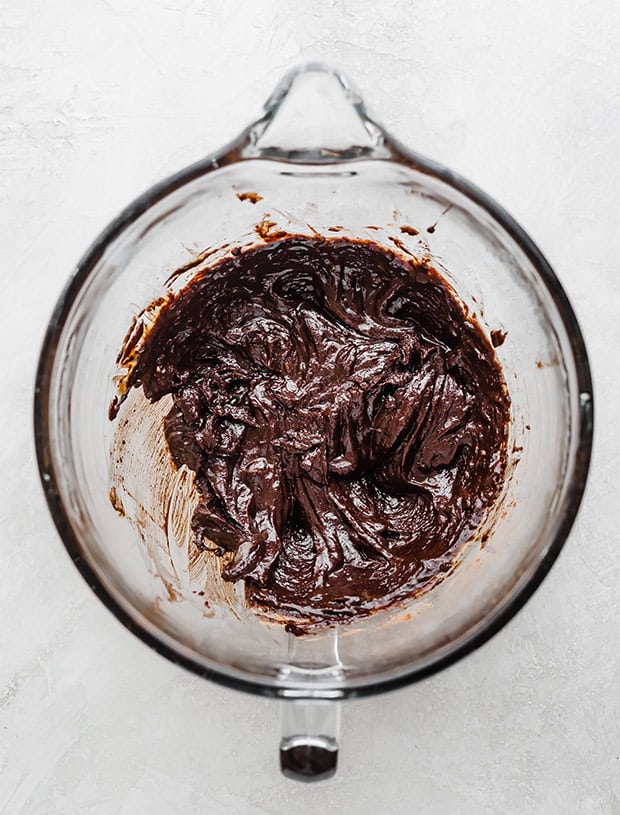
(99, 99)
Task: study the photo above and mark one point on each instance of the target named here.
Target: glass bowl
(313, 163)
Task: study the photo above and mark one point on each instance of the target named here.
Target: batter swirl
(345, 421)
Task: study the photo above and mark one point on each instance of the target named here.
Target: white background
(99, 99)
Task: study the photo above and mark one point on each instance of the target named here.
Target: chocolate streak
(346, 422)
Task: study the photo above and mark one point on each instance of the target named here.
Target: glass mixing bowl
(313, 163)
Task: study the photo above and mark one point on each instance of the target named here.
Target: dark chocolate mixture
(346, 422)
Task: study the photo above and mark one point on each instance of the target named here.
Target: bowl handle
(309, 743)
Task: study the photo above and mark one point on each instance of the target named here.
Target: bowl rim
(230, 154)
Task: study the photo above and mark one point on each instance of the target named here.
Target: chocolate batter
(346, 422)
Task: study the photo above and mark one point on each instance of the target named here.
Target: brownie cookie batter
(345, 421)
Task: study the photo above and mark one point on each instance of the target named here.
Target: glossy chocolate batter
(346, 422)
